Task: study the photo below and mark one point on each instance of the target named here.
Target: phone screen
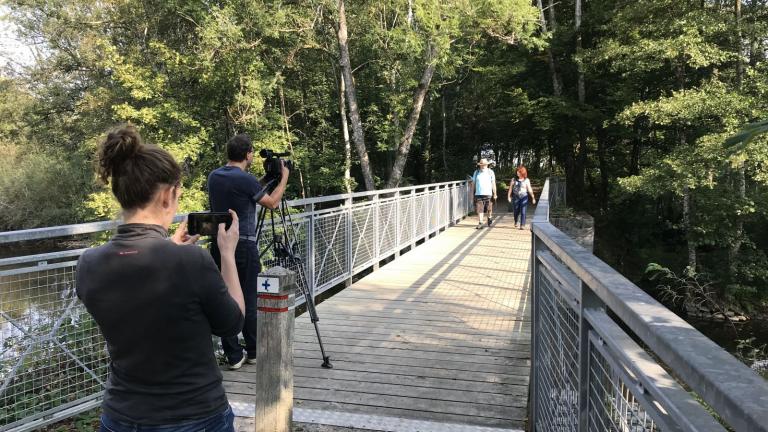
(207, 223)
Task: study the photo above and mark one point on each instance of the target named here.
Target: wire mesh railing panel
(362, 236)
(297, 242)
(52, 352)
(331, 254)
(434, 211)
(445, 207)
(420, 225)
(612, 403)
(557, 365)
(406, 220)
(387, 227)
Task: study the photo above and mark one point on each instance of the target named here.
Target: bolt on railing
(589, 371)
(53, 359)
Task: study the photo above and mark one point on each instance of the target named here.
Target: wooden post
(274, 352)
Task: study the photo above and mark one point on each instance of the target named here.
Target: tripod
(285, 252)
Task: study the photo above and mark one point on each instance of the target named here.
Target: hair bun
(118, 148)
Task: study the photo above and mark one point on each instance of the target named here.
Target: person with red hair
(519, 189)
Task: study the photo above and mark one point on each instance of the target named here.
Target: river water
(728, 336)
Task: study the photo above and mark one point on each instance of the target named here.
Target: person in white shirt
(519, 189)
(484, 181)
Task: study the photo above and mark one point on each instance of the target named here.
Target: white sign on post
(268, 285)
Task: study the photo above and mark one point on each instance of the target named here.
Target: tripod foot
(327, 362)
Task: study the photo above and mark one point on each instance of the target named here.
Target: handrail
(734, 391)
(94, 227)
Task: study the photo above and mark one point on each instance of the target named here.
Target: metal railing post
(348, 242)
(397, 224)
(310, 264)
(588, 301)
(376, 223)
(535, 280)
(451, 206)
(414, 228)
(426, 213)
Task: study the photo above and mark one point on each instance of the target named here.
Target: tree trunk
(418, 102)
(579, 67)
(739, 46)
(604, 176)
(552, 20)
(557, 87)
(392, 147)
(634, 156)
(687, 198)
(741, 174)
(345, 135)
(287, 132)
(687, 224)
(410, 14)
(354, 110)
(428, 142)
(444, 137)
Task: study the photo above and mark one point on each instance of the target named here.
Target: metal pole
(310, 264)
(591, 301)
(397, 224)
(532, 393)
(376, 223)
(414, 228)
(348, 242)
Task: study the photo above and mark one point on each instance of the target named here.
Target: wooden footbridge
(462, 330)
(438, 338)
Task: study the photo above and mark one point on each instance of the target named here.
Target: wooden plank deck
(441, 334)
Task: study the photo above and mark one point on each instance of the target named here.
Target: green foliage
(668, 85)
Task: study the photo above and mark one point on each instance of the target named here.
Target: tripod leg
(304, 287)
(312, 311)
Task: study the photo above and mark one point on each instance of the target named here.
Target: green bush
(38, 189)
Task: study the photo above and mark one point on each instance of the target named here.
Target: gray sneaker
(479, 225)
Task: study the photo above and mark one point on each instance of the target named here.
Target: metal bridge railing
(53, 359)
(608, 357)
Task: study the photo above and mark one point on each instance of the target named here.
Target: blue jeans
(224, 422)
(521, 204)
(248, 268)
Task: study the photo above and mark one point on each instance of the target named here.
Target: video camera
(272, 164)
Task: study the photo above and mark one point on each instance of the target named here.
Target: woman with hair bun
(157, 300)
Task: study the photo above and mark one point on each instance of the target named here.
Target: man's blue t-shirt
(484, 181)
(229, 187)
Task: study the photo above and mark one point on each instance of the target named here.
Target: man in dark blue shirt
(232, 187)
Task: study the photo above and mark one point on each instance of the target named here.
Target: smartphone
(207, 223)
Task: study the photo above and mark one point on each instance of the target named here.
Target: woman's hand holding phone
(227, 238)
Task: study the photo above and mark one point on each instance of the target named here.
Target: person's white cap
(483, 162)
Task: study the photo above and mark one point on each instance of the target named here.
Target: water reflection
(728, 335)
(30, 305)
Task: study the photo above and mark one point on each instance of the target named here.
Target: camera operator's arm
(227, 241)
(273, 200)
